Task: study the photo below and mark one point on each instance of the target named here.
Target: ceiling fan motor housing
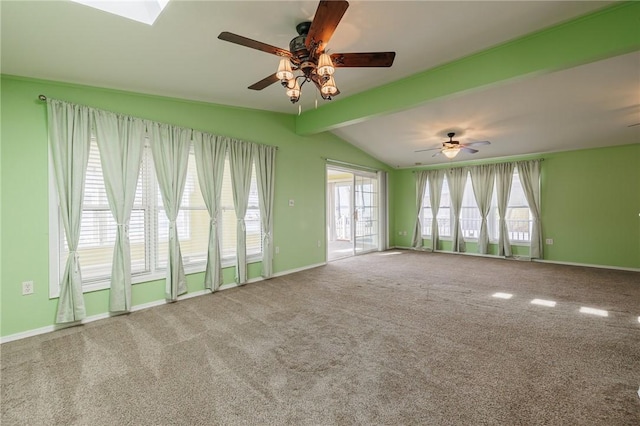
(451, 143)
(297, 45)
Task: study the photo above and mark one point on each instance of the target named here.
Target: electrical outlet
(399, 232)
(319, 244)
(549, 241)
(292, 203)
(27, 287)
(277, 249)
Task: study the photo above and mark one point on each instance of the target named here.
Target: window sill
(159, 275)
(475, 240)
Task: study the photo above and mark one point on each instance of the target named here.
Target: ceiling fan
(451, 148)
(307, 54)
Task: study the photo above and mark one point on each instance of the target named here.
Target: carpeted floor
(394, 339)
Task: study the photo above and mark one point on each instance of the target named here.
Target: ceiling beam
(606, 33)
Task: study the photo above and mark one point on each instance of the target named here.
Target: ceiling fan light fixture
(284, 72)
(306, 58)
(450, 153)
(329, 87)
(293, 90)
(325, 65)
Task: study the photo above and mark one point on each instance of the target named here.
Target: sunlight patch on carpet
(502, 295)
(594, 311)
(543, 302)
(390, 253)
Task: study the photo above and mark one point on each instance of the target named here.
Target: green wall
(300, 175)
(591, 206)
(590, 201)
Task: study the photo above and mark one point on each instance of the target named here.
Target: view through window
(518, 216)
(149, 227)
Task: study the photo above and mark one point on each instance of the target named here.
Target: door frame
(382, 205)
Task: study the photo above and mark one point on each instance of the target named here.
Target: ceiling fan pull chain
(299, 109)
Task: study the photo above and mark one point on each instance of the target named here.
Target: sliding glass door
(366, 214)
(353, 212)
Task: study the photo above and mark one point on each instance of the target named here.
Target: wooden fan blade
(253, 44)
(477, 143)
(265, 82)
(469, 150)
(368, 59)
(428, 149)
(325, 21)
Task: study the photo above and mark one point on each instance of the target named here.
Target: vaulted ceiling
(572, 87)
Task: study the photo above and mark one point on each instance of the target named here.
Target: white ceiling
(180, 56)
(583, 107)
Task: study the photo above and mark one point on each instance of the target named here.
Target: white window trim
(54, 287)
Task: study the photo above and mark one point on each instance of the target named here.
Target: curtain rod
(44, 98)
(344, 163)
(481, 164)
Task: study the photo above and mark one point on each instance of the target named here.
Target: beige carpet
(393, 339)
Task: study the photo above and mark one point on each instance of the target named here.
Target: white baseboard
(304, 268)
(104, 315)
(526, 259)
(588, 265)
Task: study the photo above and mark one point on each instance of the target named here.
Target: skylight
(145, 11)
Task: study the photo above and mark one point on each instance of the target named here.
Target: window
(343, 213)
(427, 213)
(366, 205)
(229, 220)
(518, 216)
(470, 217)
(469, 213)
(149, 226)
(98, 228)
(444, 212)
(192, 223)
